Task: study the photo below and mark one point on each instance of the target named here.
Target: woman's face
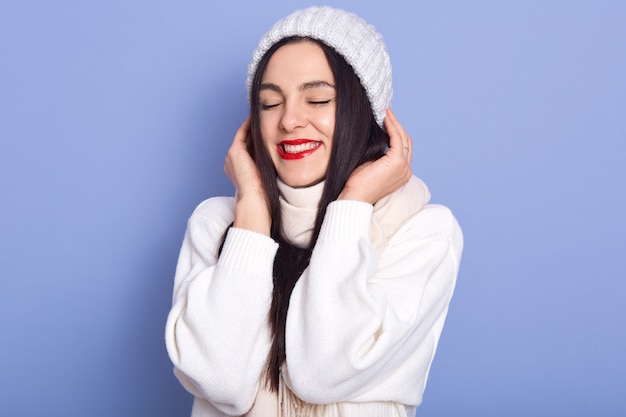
(297, 112)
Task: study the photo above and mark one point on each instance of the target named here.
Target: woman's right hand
(251, 210)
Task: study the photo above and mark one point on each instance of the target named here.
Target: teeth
(300, 148)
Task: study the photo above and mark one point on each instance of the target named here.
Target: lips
(297, 148)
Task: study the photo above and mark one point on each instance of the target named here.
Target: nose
(293, 117)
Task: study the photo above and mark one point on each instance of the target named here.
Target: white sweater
(364, 318)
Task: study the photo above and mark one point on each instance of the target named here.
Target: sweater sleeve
(363, 328)
(217, 334)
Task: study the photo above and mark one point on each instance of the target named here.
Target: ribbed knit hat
(356, 40)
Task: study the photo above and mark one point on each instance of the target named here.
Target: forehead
(298, 63)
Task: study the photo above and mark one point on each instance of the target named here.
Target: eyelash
(320, 103)
(314, 103)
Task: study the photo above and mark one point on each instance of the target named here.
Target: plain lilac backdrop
(115, 118)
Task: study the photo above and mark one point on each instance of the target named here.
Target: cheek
(263, 124)
(266, 132)
(269, 121)
(269, 146)
(327, 124)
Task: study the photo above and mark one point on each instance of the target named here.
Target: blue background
(115, 119)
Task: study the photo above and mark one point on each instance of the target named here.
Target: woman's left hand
(374, 180)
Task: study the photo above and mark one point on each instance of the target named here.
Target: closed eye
(320, 102)
(269, 106)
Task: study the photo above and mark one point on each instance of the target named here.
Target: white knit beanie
(356, 40)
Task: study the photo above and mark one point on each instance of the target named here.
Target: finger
(239, 144)
(242, 132)
(408, 146)
(406, 139)
(397, 135)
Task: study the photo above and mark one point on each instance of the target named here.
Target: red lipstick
(297, 148)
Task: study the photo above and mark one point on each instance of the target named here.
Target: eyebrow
(302, 87)
(315, 84)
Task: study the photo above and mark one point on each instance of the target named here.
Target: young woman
(321, 289)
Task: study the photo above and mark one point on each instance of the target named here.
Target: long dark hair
(357, 139)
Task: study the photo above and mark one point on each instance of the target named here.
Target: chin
(301, 182)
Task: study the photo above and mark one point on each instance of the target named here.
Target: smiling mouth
(297, 149)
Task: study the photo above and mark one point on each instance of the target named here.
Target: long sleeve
(217, 334)
(365, 328)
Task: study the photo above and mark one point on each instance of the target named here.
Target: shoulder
(213, 213)
(215, 206)
(434, 223)
(436, 216)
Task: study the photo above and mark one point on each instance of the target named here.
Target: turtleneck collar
(299, 209)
